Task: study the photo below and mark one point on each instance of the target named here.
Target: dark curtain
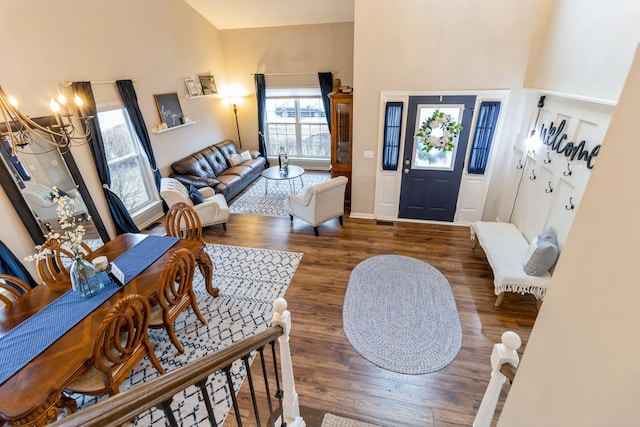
(9, 264)
(326, 86)
(391, 142)
(119, 213)
(130, 100)
(261, 96)
(483, 137)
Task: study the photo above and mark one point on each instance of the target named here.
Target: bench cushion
(505, 248)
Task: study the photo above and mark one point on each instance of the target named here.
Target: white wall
(580, 366)
(156, 42)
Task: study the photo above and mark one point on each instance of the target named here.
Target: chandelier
(20, 129)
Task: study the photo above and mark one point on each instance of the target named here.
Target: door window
(435, 158)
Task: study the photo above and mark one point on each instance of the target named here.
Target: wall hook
(533, 175)
(547, 160)
(568, 172)
(550, 189)
(519, 165)
(570, 206)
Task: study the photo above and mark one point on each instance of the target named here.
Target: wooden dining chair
(11, 289)
(175, 294)
(183, 221)
(121, 342)
(54, 268)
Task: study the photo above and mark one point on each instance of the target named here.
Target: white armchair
(213, 210)
(39, 198)
(319, 203)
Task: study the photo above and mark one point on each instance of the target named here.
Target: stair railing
(159, 392)
(504, 361)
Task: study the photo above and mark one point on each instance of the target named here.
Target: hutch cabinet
(342, 138)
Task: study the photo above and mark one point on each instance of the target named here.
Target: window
(434, 159)
(391, 143)
(483, 137)
(130, 173)
(296, 120)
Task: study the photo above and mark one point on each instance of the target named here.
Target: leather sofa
(212, 167)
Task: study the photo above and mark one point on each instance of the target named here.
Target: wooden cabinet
(342, 138)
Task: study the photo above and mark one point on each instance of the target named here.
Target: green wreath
(449, 132)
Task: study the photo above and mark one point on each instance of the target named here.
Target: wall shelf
(173, 128)
(209, 95)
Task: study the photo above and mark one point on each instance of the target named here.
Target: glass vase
(85, 278)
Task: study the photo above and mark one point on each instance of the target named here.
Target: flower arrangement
(71, 228)
(439, 131)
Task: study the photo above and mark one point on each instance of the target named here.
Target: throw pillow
(540, 257)
(195, 195)
(235, 160)
(245, 155)
(60, 194)
(549, 235)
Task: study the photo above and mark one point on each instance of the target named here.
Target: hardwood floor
(330, 375)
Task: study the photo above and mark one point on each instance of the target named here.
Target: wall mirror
(28, 175)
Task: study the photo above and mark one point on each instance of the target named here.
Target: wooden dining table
(33, 396)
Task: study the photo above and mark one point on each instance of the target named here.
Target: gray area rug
(250, 280)
(400, 314)
(254, 201)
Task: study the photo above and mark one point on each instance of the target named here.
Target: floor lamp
(235, 113)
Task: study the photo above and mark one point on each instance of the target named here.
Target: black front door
(431, 180)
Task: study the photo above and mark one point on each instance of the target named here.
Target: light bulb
(55, 107)
(78, 101)
(61, 99)
(13, 101)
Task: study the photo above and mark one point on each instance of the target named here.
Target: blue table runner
(27, 340)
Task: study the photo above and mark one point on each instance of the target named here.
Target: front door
(431, 179)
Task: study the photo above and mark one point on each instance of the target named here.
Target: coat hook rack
(568, 172)
(547, 160)
(533, 175)
(570, 206)
(519, 165)
(550, 189)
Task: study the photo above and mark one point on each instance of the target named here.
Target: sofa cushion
(235, 160)
(194, 164)
(217, 161)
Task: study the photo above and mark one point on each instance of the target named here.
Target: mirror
(28, 177)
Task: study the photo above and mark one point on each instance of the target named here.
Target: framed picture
(191, 87)
(169, 109)
(208, 85)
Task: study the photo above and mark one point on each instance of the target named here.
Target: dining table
(34, 394)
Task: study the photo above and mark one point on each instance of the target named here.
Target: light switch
(368, 154)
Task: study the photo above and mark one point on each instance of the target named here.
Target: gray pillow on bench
(542, 254)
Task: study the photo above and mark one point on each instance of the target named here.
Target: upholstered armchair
(319, 203)
(212, 210)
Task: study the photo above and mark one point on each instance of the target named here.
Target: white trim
(603, 101)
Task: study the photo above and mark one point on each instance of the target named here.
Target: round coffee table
(273, 173)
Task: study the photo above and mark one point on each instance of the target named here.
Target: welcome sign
(555, 138)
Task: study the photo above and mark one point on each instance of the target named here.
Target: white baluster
(282, 317)
(501, 354)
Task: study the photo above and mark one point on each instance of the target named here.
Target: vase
(283, 161)
(85, 278)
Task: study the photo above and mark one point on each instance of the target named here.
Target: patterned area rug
(400, 314)
(249, 280)
(331, 420)
(254, 201)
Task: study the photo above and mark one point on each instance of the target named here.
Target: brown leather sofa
(211, 167)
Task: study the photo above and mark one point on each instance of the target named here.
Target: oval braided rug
(399, 313)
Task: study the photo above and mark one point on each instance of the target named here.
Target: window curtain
(326, 86)
(391, 142)
(9, 264)
(483, 137)
(261, 96)
(130, 100)
(121, 218)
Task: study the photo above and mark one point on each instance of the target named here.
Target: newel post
(282, 317)
(501, 354)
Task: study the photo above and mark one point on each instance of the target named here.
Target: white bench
(505, 248)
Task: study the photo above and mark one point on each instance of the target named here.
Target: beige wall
(296, 53)
(425, 46)
(156, 42)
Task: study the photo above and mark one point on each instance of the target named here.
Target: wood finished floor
(330, 375)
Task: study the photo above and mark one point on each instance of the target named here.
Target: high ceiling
(232, 14)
